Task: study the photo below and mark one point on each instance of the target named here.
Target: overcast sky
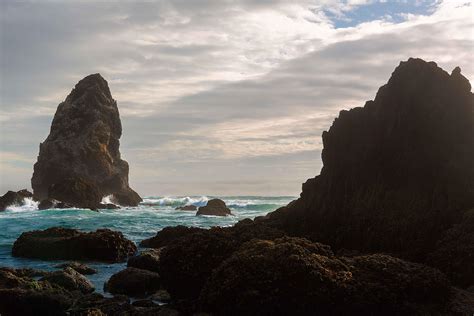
(221, 97)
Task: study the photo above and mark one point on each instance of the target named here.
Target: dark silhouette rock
(397, 173)
(168, 235)
(186, 208)
(70, 244)
(134, 282)
(12, 198)
(79, 162)
(292, 276)
(214, 207)
(78, 267)
(70, 280)
(146, 260)
(455, 251)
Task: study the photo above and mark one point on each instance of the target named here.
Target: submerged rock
(12, 198)
(79, 162)
(187, 208)
(65, 243)
(214, 207)
(134, 282)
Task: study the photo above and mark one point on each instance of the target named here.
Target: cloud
(215, 96)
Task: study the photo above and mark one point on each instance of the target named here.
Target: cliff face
(83, 146)
(397, 172)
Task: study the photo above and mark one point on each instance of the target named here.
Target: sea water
(136, 223)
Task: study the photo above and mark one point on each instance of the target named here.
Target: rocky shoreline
(387, 228)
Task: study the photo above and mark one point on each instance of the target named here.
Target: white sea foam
(107, 199)
(198, 201)
(28, 205)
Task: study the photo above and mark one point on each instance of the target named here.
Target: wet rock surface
(146, 260)
(78, 267)
(80, 162)
(71, 244)
(70, 280)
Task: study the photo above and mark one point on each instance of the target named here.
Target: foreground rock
(398, 174)
(134, 282)
(79, 162)
(187, 208)
(146, 260)
(214, 207)
(14, 199)
(20, 294)
(168, 235)
(291, 276)
(78, 267)
(70, 280)
(71, 244)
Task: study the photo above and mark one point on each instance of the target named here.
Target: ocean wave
(176, 201)
(28, 205)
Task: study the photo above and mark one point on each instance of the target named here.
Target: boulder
(133, 282)
(168, 235)
(108, 206)
(293, 276)
(58, 243)
(47, 204)
(214, 207)
(78, 267)
(187, 208)
(146, 260)
(12, 198)
(80, 162)
(70, 280)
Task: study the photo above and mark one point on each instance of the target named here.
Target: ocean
(136, 223)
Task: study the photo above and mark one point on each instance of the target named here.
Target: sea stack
(79, 162)
(398, 173)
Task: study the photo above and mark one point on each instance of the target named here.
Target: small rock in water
(186, 208)
(214, 207)
(147, 260)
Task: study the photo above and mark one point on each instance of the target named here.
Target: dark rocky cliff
(82, 150)
(398, 172)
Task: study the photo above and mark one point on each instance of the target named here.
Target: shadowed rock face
(83, 147)
(397, 173)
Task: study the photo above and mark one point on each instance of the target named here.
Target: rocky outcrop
(186, 208)
(292, 276)
(398, 172)
(79, 162)
(70, 280)
(134, 282)
(71, 244)
(12, 198)
(214, 207)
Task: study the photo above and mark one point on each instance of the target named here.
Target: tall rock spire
(83, 147)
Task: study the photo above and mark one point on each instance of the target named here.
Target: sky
(224, 97)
